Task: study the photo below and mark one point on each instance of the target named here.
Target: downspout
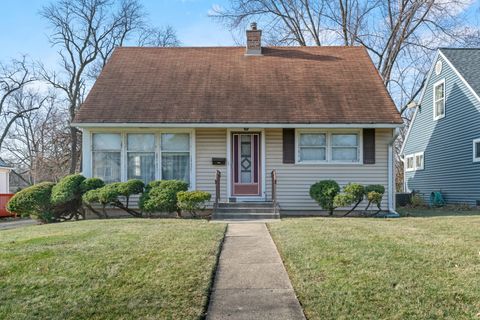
(391, 178)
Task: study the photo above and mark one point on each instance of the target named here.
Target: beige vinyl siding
(210, 143)
(294, 180)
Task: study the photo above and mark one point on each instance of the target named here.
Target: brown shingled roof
(222, 85)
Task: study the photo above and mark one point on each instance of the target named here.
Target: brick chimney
(254, 40)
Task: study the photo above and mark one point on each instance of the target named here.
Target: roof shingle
(222, 85)
(467, 62)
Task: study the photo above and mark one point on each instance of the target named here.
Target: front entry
(246, 171)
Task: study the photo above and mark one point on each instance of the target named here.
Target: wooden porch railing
(218, 176)
(274, 189)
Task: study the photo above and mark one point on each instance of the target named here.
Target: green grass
(108, 269)
(405, 268)
(446, 211)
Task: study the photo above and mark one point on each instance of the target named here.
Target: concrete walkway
(251, 281)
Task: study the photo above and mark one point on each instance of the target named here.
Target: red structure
(4, 197)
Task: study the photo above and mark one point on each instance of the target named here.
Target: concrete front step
(244, 210)
(245, 216)
(262, 204)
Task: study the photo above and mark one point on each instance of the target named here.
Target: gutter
(140, 125)
(391, 178)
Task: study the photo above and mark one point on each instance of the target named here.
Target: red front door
(246, 164)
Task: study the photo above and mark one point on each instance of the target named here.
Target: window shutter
(288, 145)
(368, 146)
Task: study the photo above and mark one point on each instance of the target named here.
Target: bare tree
(14, 77)
(158, 37)
(86, 32)
(38, 141)
(391, 30)
(400, 35)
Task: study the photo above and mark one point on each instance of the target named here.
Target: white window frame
(122, 147)
(414, 156)
(158, 158)
(435, 85)
(160, 151)
(127, 151)
(328, 157)
(474, 143)
(423, 161)
(297, 147)
(410, 156)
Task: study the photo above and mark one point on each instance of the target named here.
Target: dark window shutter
(368, 146)
(288, 145)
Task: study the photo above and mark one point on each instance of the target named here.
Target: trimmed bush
(353, 194)
(110, 195)
(34, 201)
(343, 200)
(161, 196)
(193, 201)
(91, 184)
(67, 189)
(324, 192)
(374, 195)
(131, 187)
(378, 188)
(67, 195)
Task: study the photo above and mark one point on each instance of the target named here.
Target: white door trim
(262, 161)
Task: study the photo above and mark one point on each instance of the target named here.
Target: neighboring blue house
(441, 151)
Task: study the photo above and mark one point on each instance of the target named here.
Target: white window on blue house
(107, 151)
(141, 156)
(414, 161)
(439, 100)
(410, 162)
(419, 161)
(476, 150)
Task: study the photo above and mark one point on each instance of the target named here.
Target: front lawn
(108, 269)
(405, 268)
(446, 211)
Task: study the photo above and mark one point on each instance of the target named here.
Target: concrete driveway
(13, 224)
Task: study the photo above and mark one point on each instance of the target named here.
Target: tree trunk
(73, 150)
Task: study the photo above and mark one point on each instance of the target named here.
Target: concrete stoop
(246, 211)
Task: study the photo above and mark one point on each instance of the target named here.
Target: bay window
(106, 156)
(334, 147)
(141, 157)
(145, 156)
(175, 154)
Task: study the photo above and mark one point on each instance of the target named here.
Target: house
(441, 151)
(304, 113)
(5, 194)
(4, 177)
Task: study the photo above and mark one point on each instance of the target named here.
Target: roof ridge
(241, 47)
(449, 48)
